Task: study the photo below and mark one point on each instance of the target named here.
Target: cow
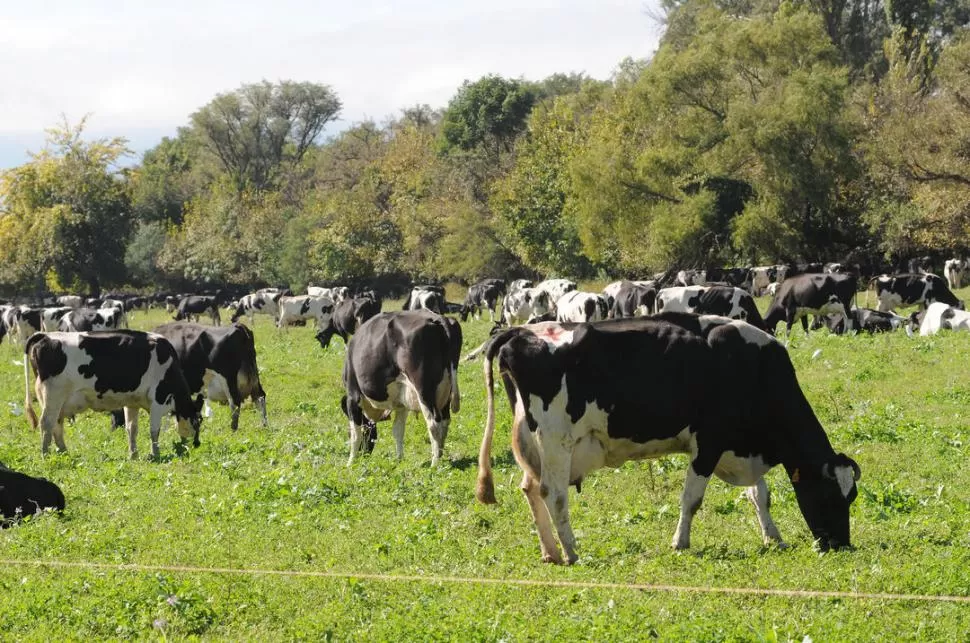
(259, 302)
(484, 294)
(27, 322)
(192, 307)
(51, 317)
(106, 371)
(690, 278)
(811, 293)
(736, 277)
(577, 306)
(218, 362)
(556, 288)
(303, 308)
(586, 396)
(940, 316)
(347, 317)
(426, 298)
(88, 319)
(953, 271)
(634, 299)
(23, 495)
(869, 321)
(920, 265)
(137, 303)
(337, 294)
(772, 289)
(520, 284)
(524, 304)
(894, 291)
(401, 362)
(761, 278)
(726, 301)
(70, 301)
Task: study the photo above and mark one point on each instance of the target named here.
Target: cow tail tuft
(485, 491)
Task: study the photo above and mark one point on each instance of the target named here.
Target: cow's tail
(485, 491)
(868, 288)
(28, 398)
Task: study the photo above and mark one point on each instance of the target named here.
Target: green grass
(283, 498)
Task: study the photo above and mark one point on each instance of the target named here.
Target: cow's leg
(131, 426)
(547, 542)
(554, 488)
(235, 398)
(155, 416)
(690, 502)
(356, 440)
(400, 420)
(49, 425)
(760, 497)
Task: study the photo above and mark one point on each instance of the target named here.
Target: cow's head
(824, 494)
(188, 426)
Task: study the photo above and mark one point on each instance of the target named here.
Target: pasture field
(283, 498)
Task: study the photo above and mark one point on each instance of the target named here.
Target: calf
(348, 316)
(401, 362)
(953, 270)
(821, 294)
(22, 495)
(726, 301)
(576, 306)
(633, 299)
(940, 316)
(305, 308)
(869, 321)
(482, 295)
(911, 290)
(592, 395)
(107, 371)
(218, 362)
(191, 307)
(524, 304)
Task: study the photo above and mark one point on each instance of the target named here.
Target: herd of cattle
(678, 349)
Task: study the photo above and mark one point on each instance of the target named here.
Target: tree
(71, 204)
(257, 130)
(487, 113)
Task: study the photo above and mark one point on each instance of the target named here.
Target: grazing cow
(107, 371)
(220, 363)
(347, 317)
(556, 288)
(940, 316)
(22, 495)
(761, 278)
(426, 298)
(484, 294)
(192, 307)
(401, 362)
(337, 294)
(51, 317)
(524, 304)
(259, 302)
(869, 321)
(634, 299)
(71, 301)
(576, 306)
(726, 301)
(88, 319)
(809, 293)
(894, 291)
(304, 308)
(592, 395)
(953, 271)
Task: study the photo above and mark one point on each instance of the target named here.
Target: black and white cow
(22, 495)
(737, 277)
(520, 284)
(634, 299)
(192, 307)
(347, 317)
(939, 316)
(556, 288)
(106, 371)
(426, 297)
(726, 301)
(761, 278)
(88, 319)
(953, 270)
(484, 294)
(218, 362)
(894, 291)
(578, 306)
(26, 322)
(303, 308)
(868, 320)
(336, 294)
(524, 304)
(70, 301)
(690, 278)
(265, 303)
(811, 293)
(50, 317)
(403, 362)
(588, 396)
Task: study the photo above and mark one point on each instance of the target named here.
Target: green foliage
(489, 113)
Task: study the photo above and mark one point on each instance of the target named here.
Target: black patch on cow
(23, 495)
(119, 359)
(46, 356)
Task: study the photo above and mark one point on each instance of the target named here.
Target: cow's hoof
(553, 559)
(680, 545)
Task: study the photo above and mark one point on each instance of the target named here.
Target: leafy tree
(163, 182)
(258, 129)
(488, 113)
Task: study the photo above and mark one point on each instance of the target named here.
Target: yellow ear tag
(794, 477)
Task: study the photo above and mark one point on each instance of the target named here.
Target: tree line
(760, 131)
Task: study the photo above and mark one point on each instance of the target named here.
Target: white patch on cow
(552, 333)
(753, 335)
(845, 476)
(741, 471)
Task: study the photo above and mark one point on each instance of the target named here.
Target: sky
(139, 68)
